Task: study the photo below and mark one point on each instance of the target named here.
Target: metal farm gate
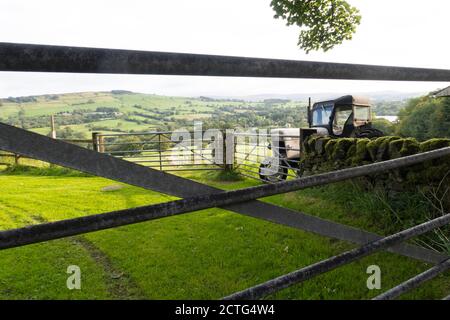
(160, 150)
(197, 196)
(252, 147)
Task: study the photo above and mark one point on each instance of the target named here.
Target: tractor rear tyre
(269, 173)
(367, 133)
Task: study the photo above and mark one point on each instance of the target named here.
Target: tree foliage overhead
(324, 23)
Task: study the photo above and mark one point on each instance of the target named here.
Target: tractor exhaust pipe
(309, 112)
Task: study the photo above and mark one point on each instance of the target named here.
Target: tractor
(347, 116)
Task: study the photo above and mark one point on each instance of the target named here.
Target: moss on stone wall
(324, 154)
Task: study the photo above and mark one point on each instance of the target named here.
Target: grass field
(200, 255)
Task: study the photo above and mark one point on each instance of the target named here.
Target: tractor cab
(348, 116)
(341, 117)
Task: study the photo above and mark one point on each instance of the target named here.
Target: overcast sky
(392, 32)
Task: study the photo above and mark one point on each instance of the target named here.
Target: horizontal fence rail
(65, 228)
(326, 265)
(47, 58)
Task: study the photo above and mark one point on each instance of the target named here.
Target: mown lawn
(200, 255)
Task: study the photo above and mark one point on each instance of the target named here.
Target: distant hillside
(78, 114)
(385, 103)
(375, 96)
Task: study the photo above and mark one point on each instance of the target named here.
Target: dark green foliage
(403, 147)
(410, 146)
(52, 170)
(372, 148)
(379, 148)
(341, 147)
(329, 148)
(389, 106)
(320, 145)
(385, 126)
(225, 175)
(433, 144)
(435, 168)
(426, 118)
(361, 152)
(118, 92)
(22, 99)
(324, 23)
(260, 115)
(129, 146)
(106, 109)
(395, 147)
(383, 148)
(69, 133)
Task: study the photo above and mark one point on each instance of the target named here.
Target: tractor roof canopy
(345, 101)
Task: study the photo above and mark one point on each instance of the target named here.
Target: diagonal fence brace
(58, 152)
(342, 259)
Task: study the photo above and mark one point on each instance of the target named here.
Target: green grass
(112, 124)
(200, 255)
(39, 272)
(66, 102)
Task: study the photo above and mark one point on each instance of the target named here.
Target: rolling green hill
(77, 114)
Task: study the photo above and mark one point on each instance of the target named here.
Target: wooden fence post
(98, 142)
(101, 143)
(95, 141)
(52, 126)
(228, 150)
(159, 152)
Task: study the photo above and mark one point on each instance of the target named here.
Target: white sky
(392, 32)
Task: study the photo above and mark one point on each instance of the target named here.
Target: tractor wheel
(367, 133)
(300, 170)
(268, 173)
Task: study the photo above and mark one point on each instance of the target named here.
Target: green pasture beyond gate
(200, 255)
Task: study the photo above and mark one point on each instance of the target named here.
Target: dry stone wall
(324, 154)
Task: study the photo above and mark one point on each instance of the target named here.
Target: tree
(384, 126)
(68, 133)
(425, 118)
(324, 23)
